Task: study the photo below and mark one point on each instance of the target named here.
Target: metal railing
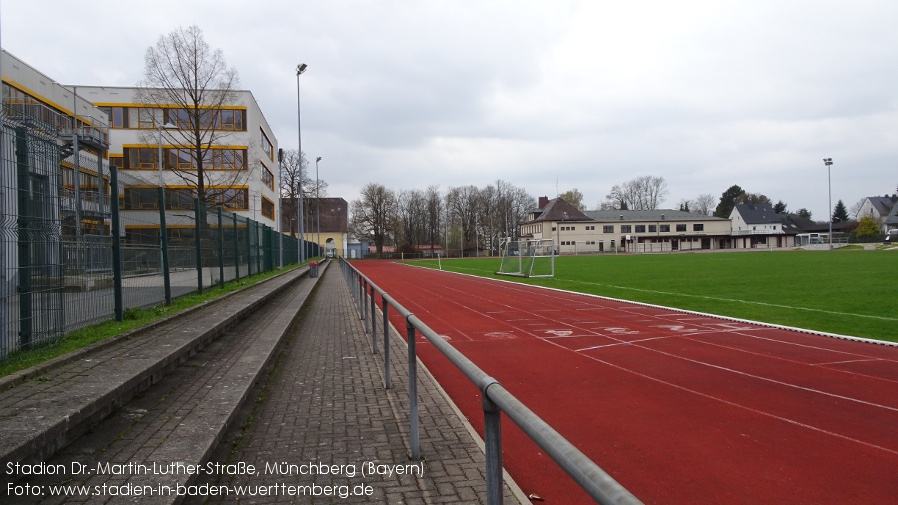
(496, 399)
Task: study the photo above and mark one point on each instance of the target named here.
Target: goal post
(528, 258)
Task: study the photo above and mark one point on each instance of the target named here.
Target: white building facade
(663, 230)
(240, 171)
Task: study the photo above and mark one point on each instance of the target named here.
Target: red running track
(677, 407)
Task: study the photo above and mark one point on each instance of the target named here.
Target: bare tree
(434, 215)
(188, 85)
(574, 197)
(856, 208)
(645, 192)
(704, 204)
(295, 180)
(412, 218)
(462, 203)
(373, 216)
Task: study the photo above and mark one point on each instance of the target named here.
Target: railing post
(373, 321)
(388, 382)
(364, 311)
(492, 434)
(412, 390)
(358, 296)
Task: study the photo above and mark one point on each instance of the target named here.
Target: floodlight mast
(301, 249)
(828, 162)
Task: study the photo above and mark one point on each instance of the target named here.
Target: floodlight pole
(828, 162)
(299, 210)
(318, 204)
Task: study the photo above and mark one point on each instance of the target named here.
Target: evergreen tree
(840, 213)
(728, 201)
(780, 207)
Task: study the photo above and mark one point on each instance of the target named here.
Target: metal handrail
(496, 399)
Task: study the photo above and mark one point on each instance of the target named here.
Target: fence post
(260, 249)
(199, 246)
(249, 248)
(412, 390)
(221, 274)
(492, 435)
(23, 230)
(373, 321)
(387, 380)
(236, 248)
(119, 302)
(163, 241)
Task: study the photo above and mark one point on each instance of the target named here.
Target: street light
(828, 162)
(280, 213)
(302, 255)
(163, 233)
(318, 203)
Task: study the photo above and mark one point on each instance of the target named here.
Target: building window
(640, 228)
(653, 228)
(118, 116)
(681, 227)
(608, 229)
(267, 208)
(140, 157)
(266, 145)
(146, 118)
(625, 228)
(229, 119)
(698, 227)
(665, 228)
(141, 198)
(267, 178)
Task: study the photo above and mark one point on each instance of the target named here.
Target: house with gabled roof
(883, 209)
(756, 225)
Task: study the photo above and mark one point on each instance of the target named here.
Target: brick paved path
(325, 405)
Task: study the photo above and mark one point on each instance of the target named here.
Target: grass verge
(133, 319)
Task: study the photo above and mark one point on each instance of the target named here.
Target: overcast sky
(547, 95)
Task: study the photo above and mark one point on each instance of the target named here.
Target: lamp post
(828, 162)
(302, 255)
(318, 204)
(280, 212)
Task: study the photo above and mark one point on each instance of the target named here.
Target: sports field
(848, 292)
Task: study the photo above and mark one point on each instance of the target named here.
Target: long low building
(574, 231)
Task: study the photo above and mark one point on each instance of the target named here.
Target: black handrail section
(496, 399)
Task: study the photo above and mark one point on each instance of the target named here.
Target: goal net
(528, 258)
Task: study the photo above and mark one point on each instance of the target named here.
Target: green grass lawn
(849, 292)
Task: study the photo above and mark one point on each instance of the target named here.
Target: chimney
(543, 201)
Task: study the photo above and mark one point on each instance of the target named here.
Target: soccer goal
(528, 258)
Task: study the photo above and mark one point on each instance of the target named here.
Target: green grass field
(848, 292)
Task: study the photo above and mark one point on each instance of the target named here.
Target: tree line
(460, 219)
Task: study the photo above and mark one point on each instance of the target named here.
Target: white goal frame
(528, 258)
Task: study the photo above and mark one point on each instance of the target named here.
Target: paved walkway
(326, 417)
(317, 427)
